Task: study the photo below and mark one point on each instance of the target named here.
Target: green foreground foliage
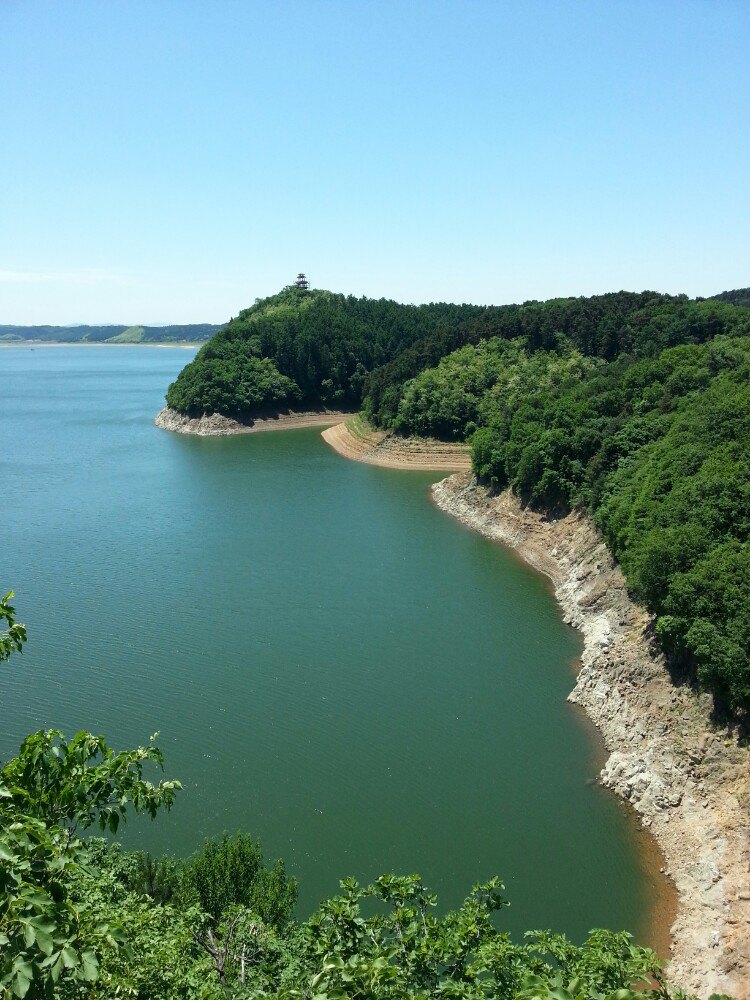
(85, 919)
(631, 406)
(13, 637)
(49, 936)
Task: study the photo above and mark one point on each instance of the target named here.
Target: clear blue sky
(170, 161)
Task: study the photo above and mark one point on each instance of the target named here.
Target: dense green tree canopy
(658, 450)
(603, 327)
(303, 348)
(737, 296)
(470, 385)
(317, 348)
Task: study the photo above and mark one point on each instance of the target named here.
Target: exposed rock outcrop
(688, 780)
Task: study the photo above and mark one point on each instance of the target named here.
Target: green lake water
(334, 665)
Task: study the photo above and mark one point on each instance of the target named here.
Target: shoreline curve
(688, 781)
(217, 425)
(356, 440)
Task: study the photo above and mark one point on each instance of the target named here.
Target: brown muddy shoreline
(687, 780)
(356, 440)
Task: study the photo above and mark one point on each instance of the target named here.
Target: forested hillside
(738, 297)
(317, 348)
(603, 326)
(655, 447)
(632, 406)
(305, 348)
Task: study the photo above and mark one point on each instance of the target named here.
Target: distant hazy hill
(191, 332)
(737, 297)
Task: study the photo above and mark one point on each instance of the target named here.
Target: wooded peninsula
(621, 419)
(634, 407)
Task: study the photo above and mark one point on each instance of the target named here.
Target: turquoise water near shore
(333, 664)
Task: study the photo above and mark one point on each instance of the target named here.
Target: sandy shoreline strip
(688, 781)
(356, 440)
(216, 425)
(33, 344)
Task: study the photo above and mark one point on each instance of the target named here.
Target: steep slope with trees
(657, 449)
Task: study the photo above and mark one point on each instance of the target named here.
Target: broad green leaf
(90, 966)
(69, 957)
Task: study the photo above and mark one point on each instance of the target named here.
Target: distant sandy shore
(217, 425)
(356, 440)
(7, 344)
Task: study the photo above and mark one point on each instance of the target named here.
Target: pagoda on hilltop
(302, 281)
